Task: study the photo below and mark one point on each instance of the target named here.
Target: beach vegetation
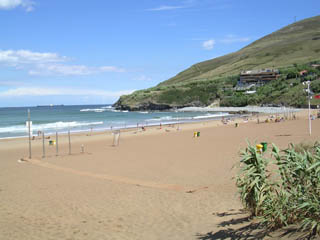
(282, 187)
(287, 90)
(206, 82)
(315, 86)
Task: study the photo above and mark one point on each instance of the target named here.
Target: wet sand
(157, 184)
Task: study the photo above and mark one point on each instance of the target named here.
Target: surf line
(119, 179)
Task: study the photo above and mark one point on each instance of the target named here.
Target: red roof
(303, 72)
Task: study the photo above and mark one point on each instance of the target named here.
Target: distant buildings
(250, 79)
(255, 78)
(258, 77)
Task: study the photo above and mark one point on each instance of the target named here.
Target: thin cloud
(11, 4)
(234, 39)
(60, 69)
(39, 91)
(12, 57)
(185, 4)
(196, 5)
(166, 8)
(143, 78)
(71, 70)
(111, 69)
(47, 63)
(10, 83)
(173, 24)
(209, 44)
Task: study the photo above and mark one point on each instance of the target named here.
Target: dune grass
(289, 194)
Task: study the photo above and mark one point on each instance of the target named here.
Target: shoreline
(87, 132)
(235, 112)
(128, 127)
(81, 136)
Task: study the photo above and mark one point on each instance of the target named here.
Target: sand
(157, 184)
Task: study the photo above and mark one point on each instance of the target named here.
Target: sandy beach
(157, 184)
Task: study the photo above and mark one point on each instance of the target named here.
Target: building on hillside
(257, 77)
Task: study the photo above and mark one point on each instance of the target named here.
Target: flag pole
(29, 130)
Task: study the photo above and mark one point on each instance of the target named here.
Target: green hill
(203, 83)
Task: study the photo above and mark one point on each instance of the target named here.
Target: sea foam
(93, 110)
(48, 126)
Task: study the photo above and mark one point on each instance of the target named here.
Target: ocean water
(51, 119)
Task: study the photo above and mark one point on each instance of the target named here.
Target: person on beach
(223, 120)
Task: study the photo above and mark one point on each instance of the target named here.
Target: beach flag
(317, 96)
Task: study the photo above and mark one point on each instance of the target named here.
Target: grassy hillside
(296, 43)
(205, 82)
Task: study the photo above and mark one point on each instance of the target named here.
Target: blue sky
(91, 52)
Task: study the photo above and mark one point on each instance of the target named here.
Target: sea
(79, 118)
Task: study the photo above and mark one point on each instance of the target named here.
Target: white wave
(17, 128)
(114, 110)
(144, 112)
(168, 118)
(211, 116)
(56, 125)
(171, 118)
(102, 109)
(93, 110)
(60, 125)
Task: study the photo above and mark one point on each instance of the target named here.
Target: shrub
(293, 197)
(315, 86)
(252, 180)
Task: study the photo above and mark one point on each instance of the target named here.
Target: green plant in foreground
(292, 196)
(252, 180)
